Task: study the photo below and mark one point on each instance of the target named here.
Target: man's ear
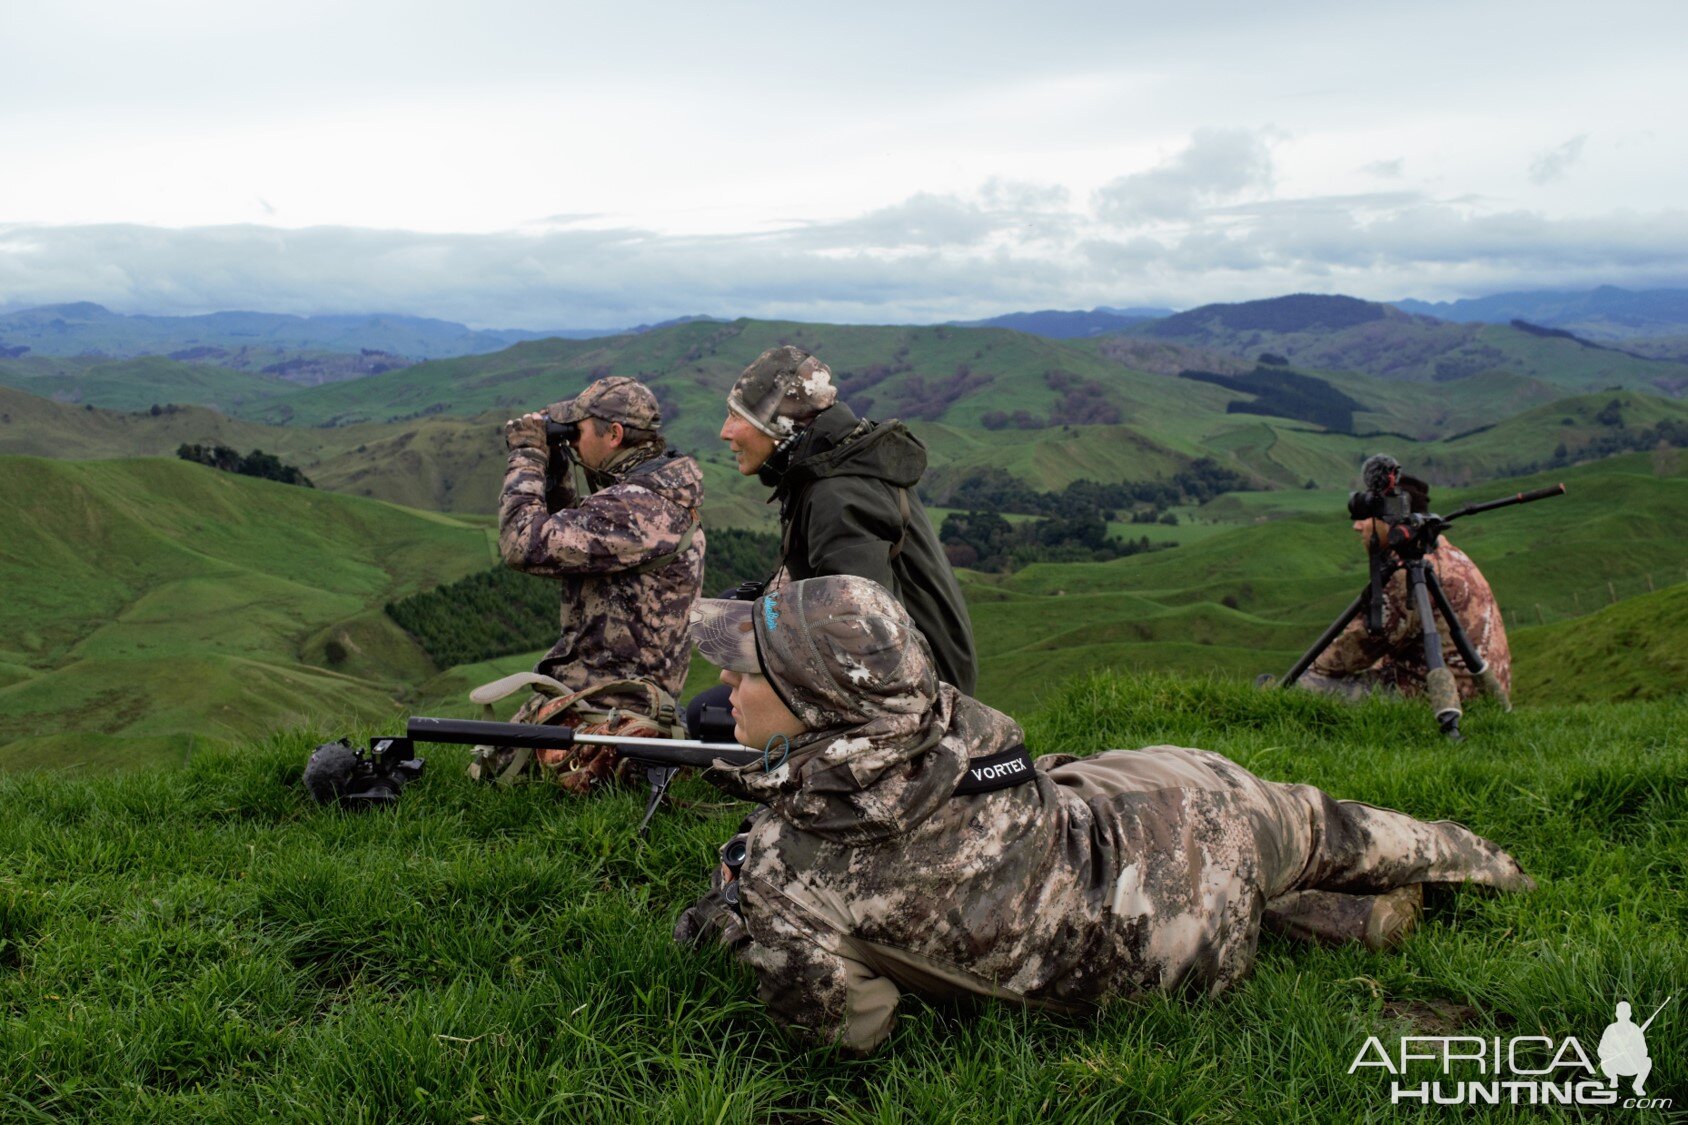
(617, 432)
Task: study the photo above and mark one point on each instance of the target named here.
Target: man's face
(750, 445)
(758, 711)
(1374, 534)
(594, 449)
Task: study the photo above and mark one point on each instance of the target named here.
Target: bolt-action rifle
(661, 758)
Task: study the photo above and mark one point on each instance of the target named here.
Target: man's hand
(526, 432)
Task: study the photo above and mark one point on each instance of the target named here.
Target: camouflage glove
(526, 432)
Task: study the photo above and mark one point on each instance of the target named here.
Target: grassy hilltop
(205, 944)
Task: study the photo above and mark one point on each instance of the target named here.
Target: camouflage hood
(887, 742)
(839, 444)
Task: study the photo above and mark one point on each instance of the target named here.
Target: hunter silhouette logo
(1623, 1047)
(1521, 1070)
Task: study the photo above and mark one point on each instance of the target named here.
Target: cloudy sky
(519, 163)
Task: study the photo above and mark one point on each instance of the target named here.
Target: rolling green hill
(140, 383)
(1635, 649)
(1048, 411)
(1344, 334)
(150, 603)
(1252, 598)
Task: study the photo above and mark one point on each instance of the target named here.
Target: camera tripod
(1409, 539)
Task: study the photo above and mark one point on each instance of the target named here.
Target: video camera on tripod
(1412, 531)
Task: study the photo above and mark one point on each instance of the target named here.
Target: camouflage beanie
(782, 391)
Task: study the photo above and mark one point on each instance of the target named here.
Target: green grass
(1636, 649)
(203, 943)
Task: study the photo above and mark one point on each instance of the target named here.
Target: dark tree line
(987, 541)
(1286, 394)
(998, 490)
(255, 464)
(493, 613)
(502, 611)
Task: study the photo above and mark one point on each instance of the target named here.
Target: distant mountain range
(251, 340)
(1606, 313)
(1056, 324)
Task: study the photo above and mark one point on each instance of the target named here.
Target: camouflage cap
(724, 633)
(614, 399)
(841, 650)
(782, 391)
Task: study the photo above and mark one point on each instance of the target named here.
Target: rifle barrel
(661, 751)
(1508, 501)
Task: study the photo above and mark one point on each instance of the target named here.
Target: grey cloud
(922, 220)
(1385, 169)
(932, 258)
(1219, 164)
(1555, 162)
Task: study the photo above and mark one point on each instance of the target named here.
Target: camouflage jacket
(622, 618)
(868, 874)
(1395, 658)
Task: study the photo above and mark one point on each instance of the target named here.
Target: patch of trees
(1557, 334)
(1083, 402)
(502, 611)
(987, 541)
(733, 556)
(494, 613)
(928, 399)
(1669, 433)
(255, 464)
(1285, 394)
(16, 351)
(998, 490)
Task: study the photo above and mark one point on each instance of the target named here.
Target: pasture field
(203, 943)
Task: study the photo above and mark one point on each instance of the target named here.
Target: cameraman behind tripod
(1362, 659)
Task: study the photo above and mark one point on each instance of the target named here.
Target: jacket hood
(839, 444)
(887, 742)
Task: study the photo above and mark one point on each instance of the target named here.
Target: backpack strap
(663, 560)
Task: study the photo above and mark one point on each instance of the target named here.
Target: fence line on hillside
(1567, 605)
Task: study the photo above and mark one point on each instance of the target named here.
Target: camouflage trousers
(1323, 863)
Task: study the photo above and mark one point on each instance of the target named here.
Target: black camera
(361, 779)
(1388, 495)
(1393, 506)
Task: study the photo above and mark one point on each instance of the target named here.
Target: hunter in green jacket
(846, 490)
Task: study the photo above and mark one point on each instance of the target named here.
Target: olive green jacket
(848, 506)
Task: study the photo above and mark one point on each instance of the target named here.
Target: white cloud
(1218, 164)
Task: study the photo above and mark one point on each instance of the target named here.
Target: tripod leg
(1467, 651)
(1355, 608)
(1439, 679)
